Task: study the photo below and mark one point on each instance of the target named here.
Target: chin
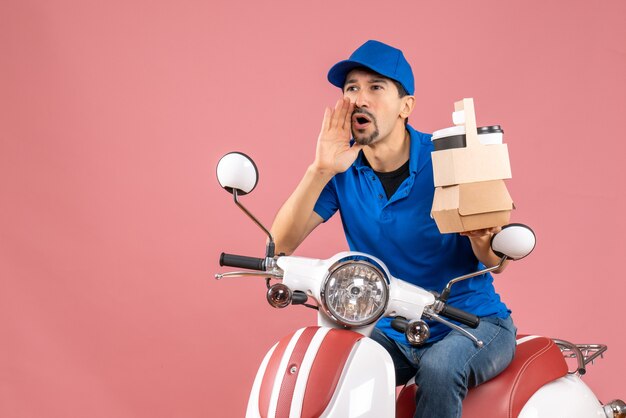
(364, 138)
(367, 139)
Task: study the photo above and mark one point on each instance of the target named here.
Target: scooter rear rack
(583, 353)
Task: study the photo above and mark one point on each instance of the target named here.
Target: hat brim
(338, 72)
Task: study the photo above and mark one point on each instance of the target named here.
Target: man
(376, 170)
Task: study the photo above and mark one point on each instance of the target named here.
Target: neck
(391, 152)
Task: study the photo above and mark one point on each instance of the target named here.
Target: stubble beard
(359, 134)
(365, 140)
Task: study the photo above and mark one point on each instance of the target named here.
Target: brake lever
(220, 276)
(431, 315)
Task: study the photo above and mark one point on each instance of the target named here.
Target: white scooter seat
(537, 361)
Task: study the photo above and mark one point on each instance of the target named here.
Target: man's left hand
(480, 239)
(478, 233)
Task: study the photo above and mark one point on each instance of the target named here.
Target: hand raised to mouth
(334, 153)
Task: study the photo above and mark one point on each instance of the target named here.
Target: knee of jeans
(378, 336)
(437, 374)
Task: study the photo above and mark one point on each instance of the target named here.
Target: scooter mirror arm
(446, 292)
(269, 250)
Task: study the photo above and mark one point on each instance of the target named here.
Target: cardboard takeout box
(471, 206)
(470, 193)
(471, 164)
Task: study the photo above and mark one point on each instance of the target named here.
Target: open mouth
(360, 121)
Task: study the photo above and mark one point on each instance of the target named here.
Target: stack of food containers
(469, 167)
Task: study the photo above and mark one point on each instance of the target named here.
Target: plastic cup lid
(460, 130)
(451, 131)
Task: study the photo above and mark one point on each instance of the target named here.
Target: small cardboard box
(471, 206)
(473, 163)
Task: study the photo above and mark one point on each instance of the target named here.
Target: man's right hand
(334, 153)
(297, 218)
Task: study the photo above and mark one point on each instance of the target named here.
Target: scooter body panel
(367, 385)
(323, 372)
(565, 397)
(253, 410)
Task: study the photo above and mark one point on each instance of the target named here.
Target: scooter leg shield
(323, 372)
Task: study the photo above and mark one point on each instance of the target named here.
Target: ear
(408, 103)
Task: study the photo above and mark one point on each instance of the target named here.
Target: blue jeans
(445, 369)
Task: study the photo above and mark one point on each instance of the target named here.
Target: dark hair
(401, 90)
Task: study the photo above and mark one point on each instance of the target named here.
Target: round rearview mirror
(515, 241)
(236, 170)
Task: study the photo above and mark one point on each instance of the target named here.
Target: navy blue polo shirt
(400, 232)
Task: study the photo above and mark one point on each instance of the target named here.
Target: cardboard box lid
(473, 198)
(469, 165)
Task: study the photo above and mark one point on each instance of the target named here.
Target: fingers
(328, 113)
(331, 116)
(336, 111)
(345, 114)
(347, 122)
(340, 113)
(338, 119)
(481, 232)
(473, 234)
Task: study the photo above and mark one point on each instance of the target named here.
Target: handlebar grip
(399, 323)
(299, 298)
(461, 316)
(242, 261)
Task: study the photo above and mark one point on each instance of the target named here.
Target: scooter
(335, 370)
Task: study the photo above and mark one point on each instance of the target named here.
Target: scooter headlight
(355, 292)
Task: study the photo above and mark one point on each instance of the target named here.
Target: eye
(350, 88)
(377, 87)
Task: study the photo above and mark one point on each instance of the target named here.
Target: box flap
(483, 197)
(446, 198)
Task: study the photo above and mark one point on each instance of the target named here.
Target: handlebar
(459, 315)
(399, 323)
(242, 261)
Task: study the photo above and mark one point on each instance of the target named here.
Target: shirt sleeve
(327, 204)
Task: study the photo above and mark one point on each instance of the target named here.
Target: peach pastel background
(112, 118)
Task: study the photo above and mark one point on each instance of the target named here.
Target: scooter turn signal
(279, 296)
(417, 332)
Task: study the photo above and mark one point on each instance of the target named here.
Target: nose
(361, 99)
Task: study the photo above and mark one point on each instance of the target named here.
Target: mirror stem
(269, 250)
(446, 292)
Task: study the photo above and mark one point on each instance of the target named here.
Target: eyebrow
(371, 80)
